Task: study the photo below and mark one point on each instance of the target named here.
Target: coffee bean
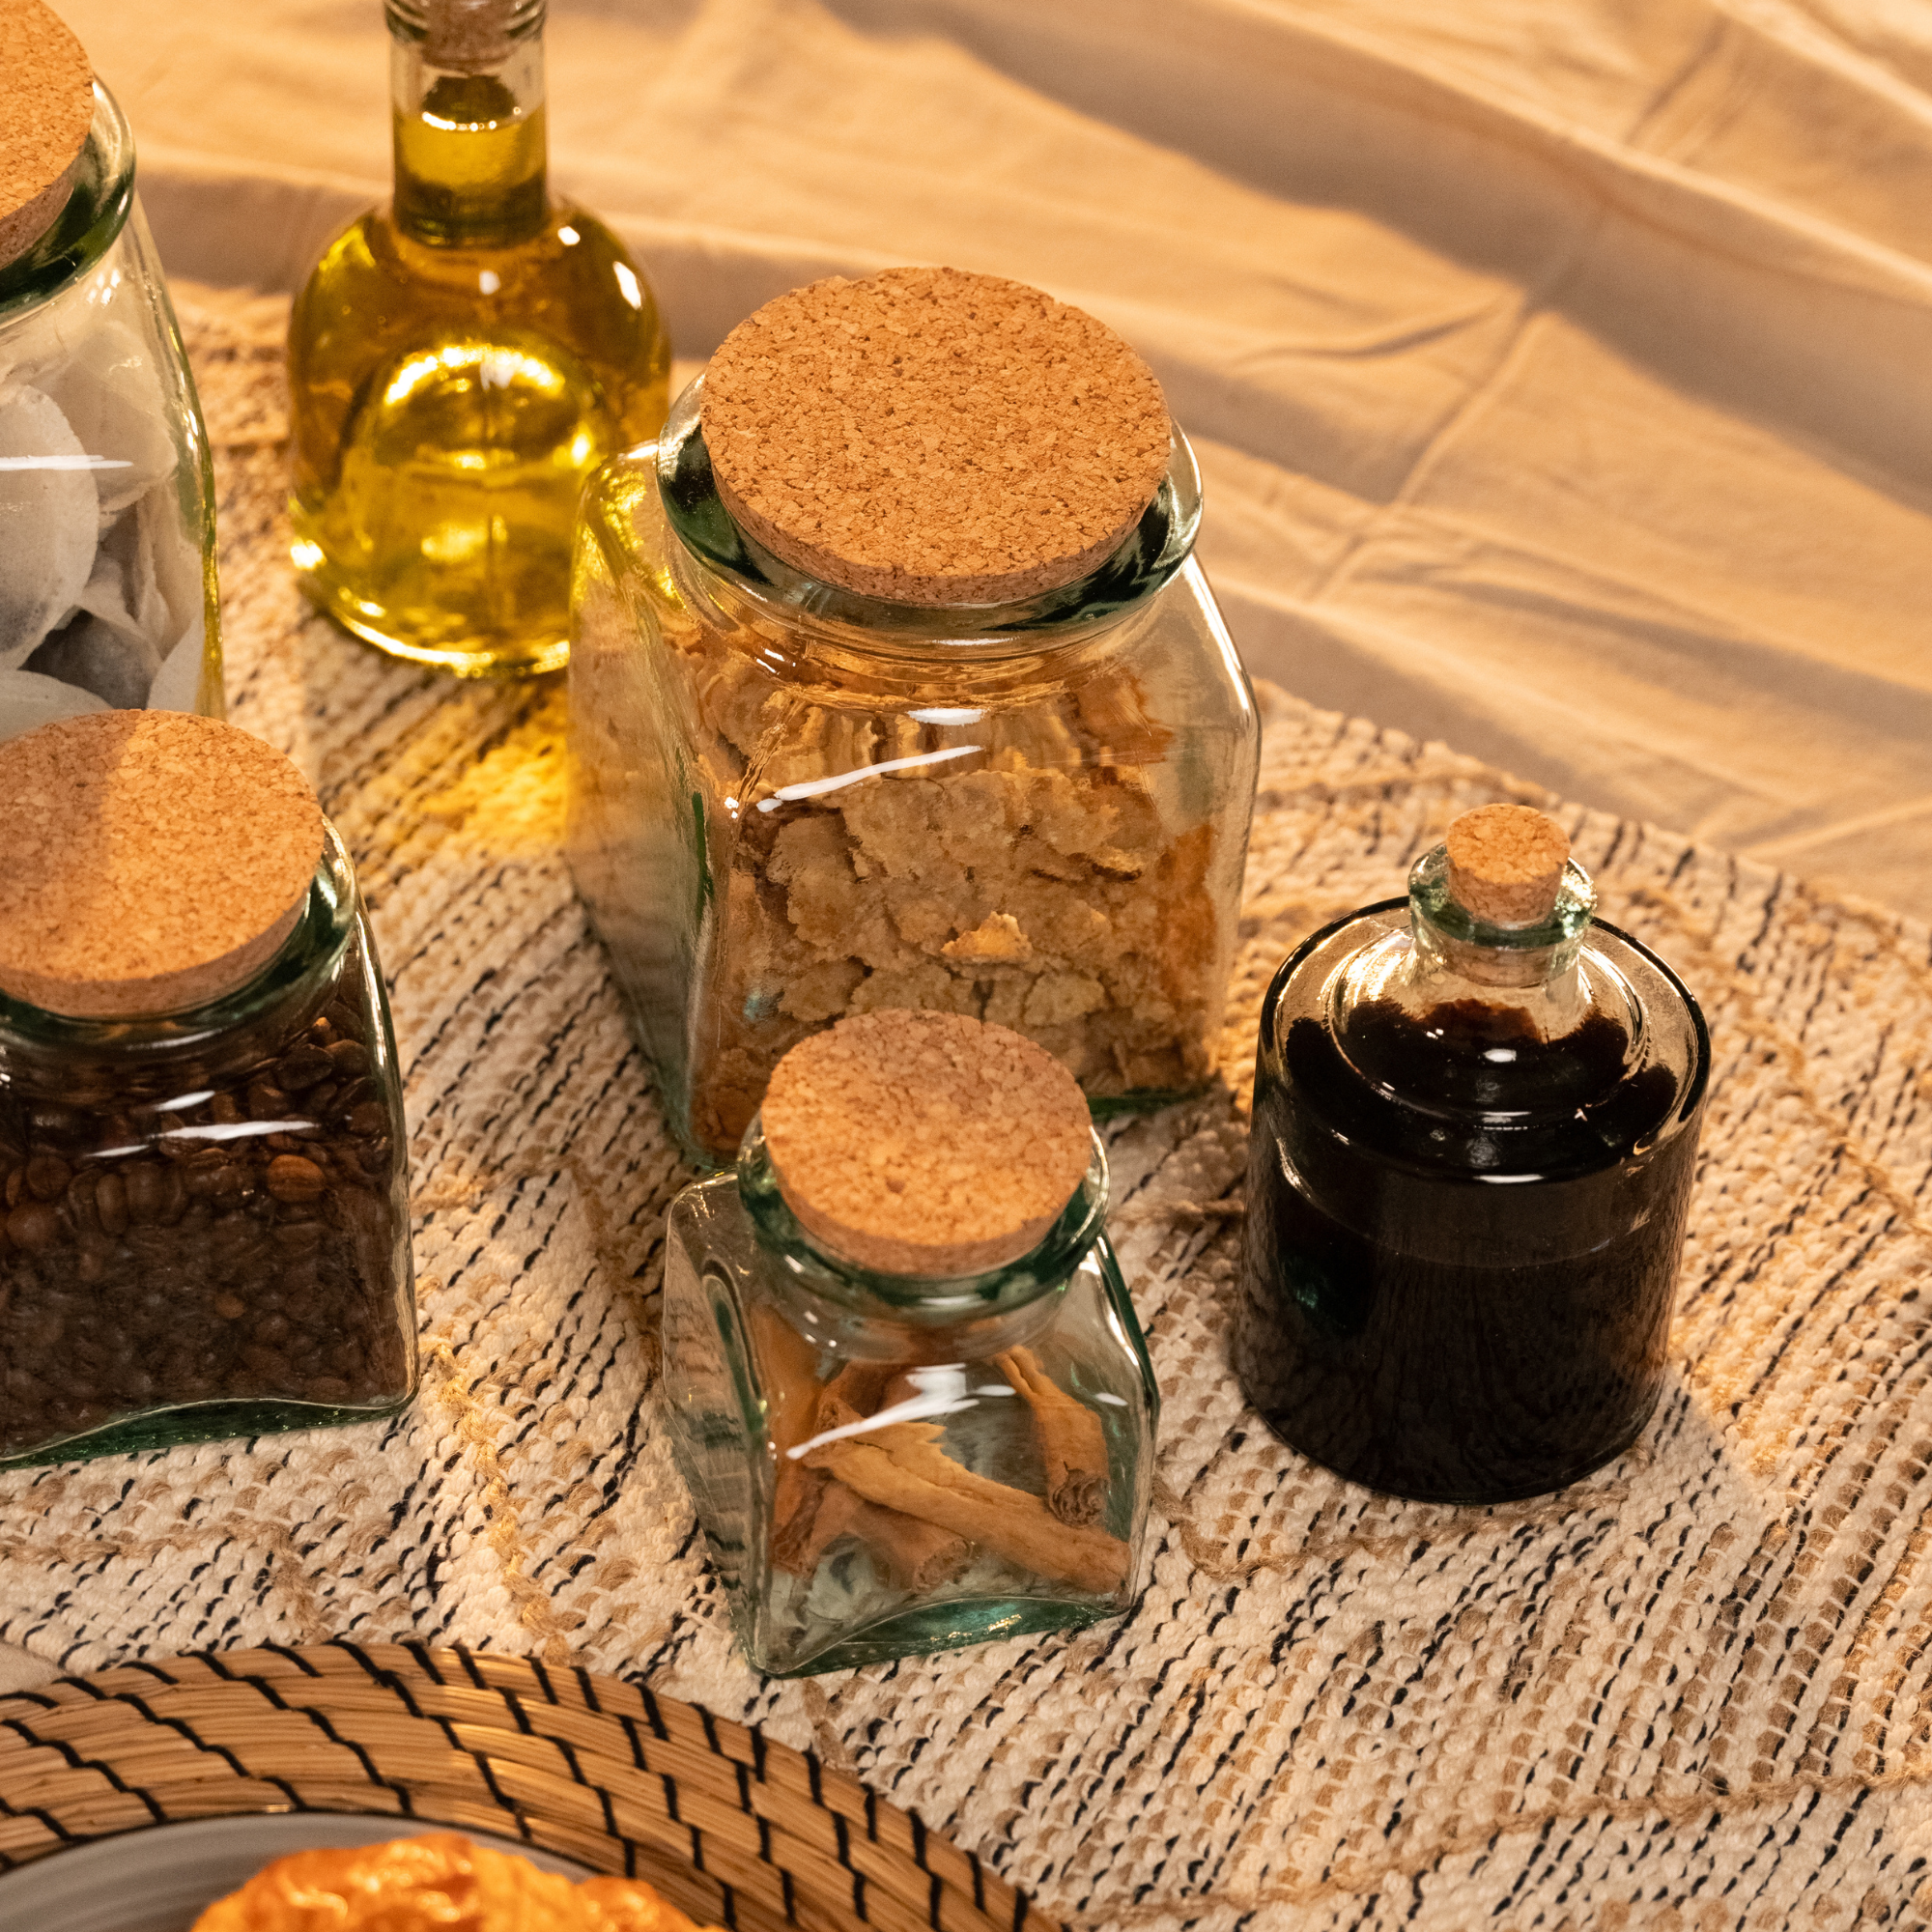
(300, 1070)
(349, 1059)
(265, 1100)
(48, 1176)
(110, 1204)
(201, 1269)
(34, 1226)
(295, 1178)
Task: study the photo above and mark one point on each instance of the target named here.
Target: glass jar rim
(411, 18)
(304, 962)
(97, 209)
(920, 1300)
(1147, 557)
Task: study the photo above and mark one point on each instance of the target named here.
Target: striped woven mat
(1693, 1690)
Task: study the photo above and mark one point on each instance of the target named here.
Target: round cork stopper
(1506, 864)
(46, 105)
(925, 1144)
(154, 861)
(468, 36)
(932, 436)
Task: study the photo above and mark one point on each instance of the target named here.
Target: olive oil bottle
(460, 362)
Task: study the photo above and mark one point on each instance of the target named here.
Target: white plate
(161, 1878)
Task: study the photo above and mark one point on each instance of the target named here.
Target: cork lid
(468, 36)
(46, 105)
(932, 436)
(925, 1144)
(1506, 864)
(156, 859)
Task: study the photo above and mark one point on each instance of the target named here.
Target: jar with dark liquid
(1475, 1130)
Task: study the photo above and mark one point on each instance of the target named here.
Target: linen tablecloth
(1561, 369)
(1693, 1690)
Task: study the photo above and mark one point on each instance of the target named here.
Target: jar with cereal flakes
(894, 685)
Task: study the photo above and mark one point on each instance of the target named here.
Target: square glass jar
(976, 1386)
(791, 801)
(204, 1215)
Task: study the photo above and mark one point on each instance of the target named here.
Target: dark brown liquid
(1462, 1246)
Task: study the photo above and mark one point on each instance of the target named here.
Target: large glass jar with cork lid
(904, 1380)
(895, 684)
(204, 1220)
(106, 491)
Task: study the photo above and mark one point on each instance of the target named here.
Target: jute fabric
(1692, 1690)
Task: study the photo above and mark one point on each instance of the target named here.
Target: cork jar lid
(156, 860)
(925, 1144)
(46, 105)
(932, 436)
(1506, 864)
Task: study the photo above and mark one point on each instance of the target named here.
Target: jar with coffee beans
(204, 1223)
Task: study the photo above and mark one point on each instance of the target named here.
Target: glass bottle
(107, 594)
(1473, 1146)
(1022, 1390)
(791, 801)
(460, 360)
(204, 1213)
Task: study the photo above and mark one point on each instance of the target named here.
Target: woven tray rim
(736, 1828)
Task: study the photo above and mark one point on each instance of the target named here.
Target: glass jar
(1473, 1147)
(792, 802)
(886, 1463)
(206, 1225)
(107, 597)
(460, 360)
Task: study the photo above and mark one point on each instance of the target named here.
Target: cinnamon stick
(1072, 1441)
(809, 1511)
(901, 1467)
(787, 1374)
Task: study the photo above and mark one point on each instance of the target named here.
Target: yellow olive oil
(459, 362)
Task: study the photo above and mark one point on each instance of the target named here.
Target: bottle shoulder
(572, 282)
(1438, 1076)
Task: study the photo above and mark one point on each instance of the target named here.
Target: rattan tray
(736, 1831)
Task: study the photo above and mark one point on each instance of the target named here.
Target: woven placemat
(1695, 1685)
(738, 1832)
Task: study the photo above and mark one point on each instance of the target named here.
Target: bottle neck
(467, 98)
(1453, 957)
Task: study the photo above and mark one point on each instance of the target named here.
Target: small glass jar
(107, 595)
(1472, 1152)
(891, 1463)
(204, 1213)
(791, 802)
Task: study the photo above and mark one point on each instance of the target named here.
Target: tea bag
(27, 699)
(109, 392)
(177, 685)
(50, 516)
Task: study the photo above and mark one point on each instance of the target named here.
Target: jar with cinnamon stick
(906, 1385)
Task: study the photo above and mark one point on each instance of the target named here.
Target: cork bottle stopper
(1506, 864)
(925, 1144)
(468, 36)
(156, 859)
(46, 105)
(932, 436)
